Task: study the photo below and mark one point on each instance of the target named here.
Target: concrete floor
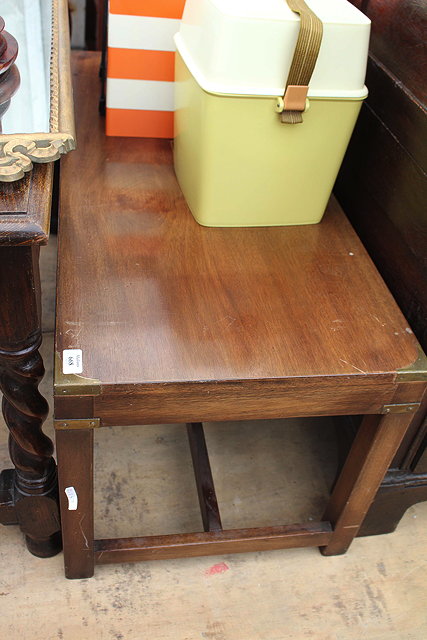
(266, 473)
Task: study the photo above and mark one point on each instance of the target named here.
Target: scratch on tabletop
(352, 365)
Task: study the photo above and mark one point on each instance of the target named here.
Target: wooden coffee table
(180, 323)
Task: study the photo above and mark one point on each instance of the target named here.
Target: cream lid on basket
(245, 47)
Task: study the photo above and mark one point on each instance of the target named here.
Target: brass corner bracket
(409, 407)
(70, 425)
(71, 384)
(417, 371)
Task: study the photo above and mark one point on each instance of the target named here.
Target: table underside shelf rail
(185, 545)
(214, 540)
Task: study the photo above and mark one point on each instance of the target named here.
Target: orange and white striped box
(140, 69)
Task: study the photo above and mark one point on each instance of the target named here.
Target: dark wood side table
(28, 493)
(160, 320)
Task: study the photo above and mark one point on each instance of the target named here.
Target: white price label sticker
(73, 500)
(72, 361)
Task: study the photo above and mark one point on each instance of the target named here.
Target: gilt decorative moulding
(36, 106)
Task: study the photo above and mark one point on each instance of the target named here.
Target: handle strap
(303, 62)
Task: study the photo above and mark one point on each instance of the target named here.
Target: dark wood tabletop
(170, 300)
(181, 302)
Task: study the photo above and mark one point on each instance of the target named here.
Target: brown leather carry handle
(293, 103)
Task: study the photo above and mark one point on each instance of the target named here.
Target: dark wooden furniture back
(382, 187)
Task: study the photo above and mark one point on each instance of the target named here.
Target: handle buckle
(295, 97)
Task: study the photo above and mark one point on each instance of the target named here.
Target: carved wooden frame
(19, 151)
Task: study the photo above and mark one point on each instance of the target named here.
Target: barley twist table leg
(28, 493)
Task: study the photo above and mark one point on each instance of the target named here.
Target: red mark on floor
(217, 568)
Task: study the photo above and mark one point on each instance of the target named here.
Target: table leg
(75, 461)
(28, 493)
(374, 447)
(405, 483)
